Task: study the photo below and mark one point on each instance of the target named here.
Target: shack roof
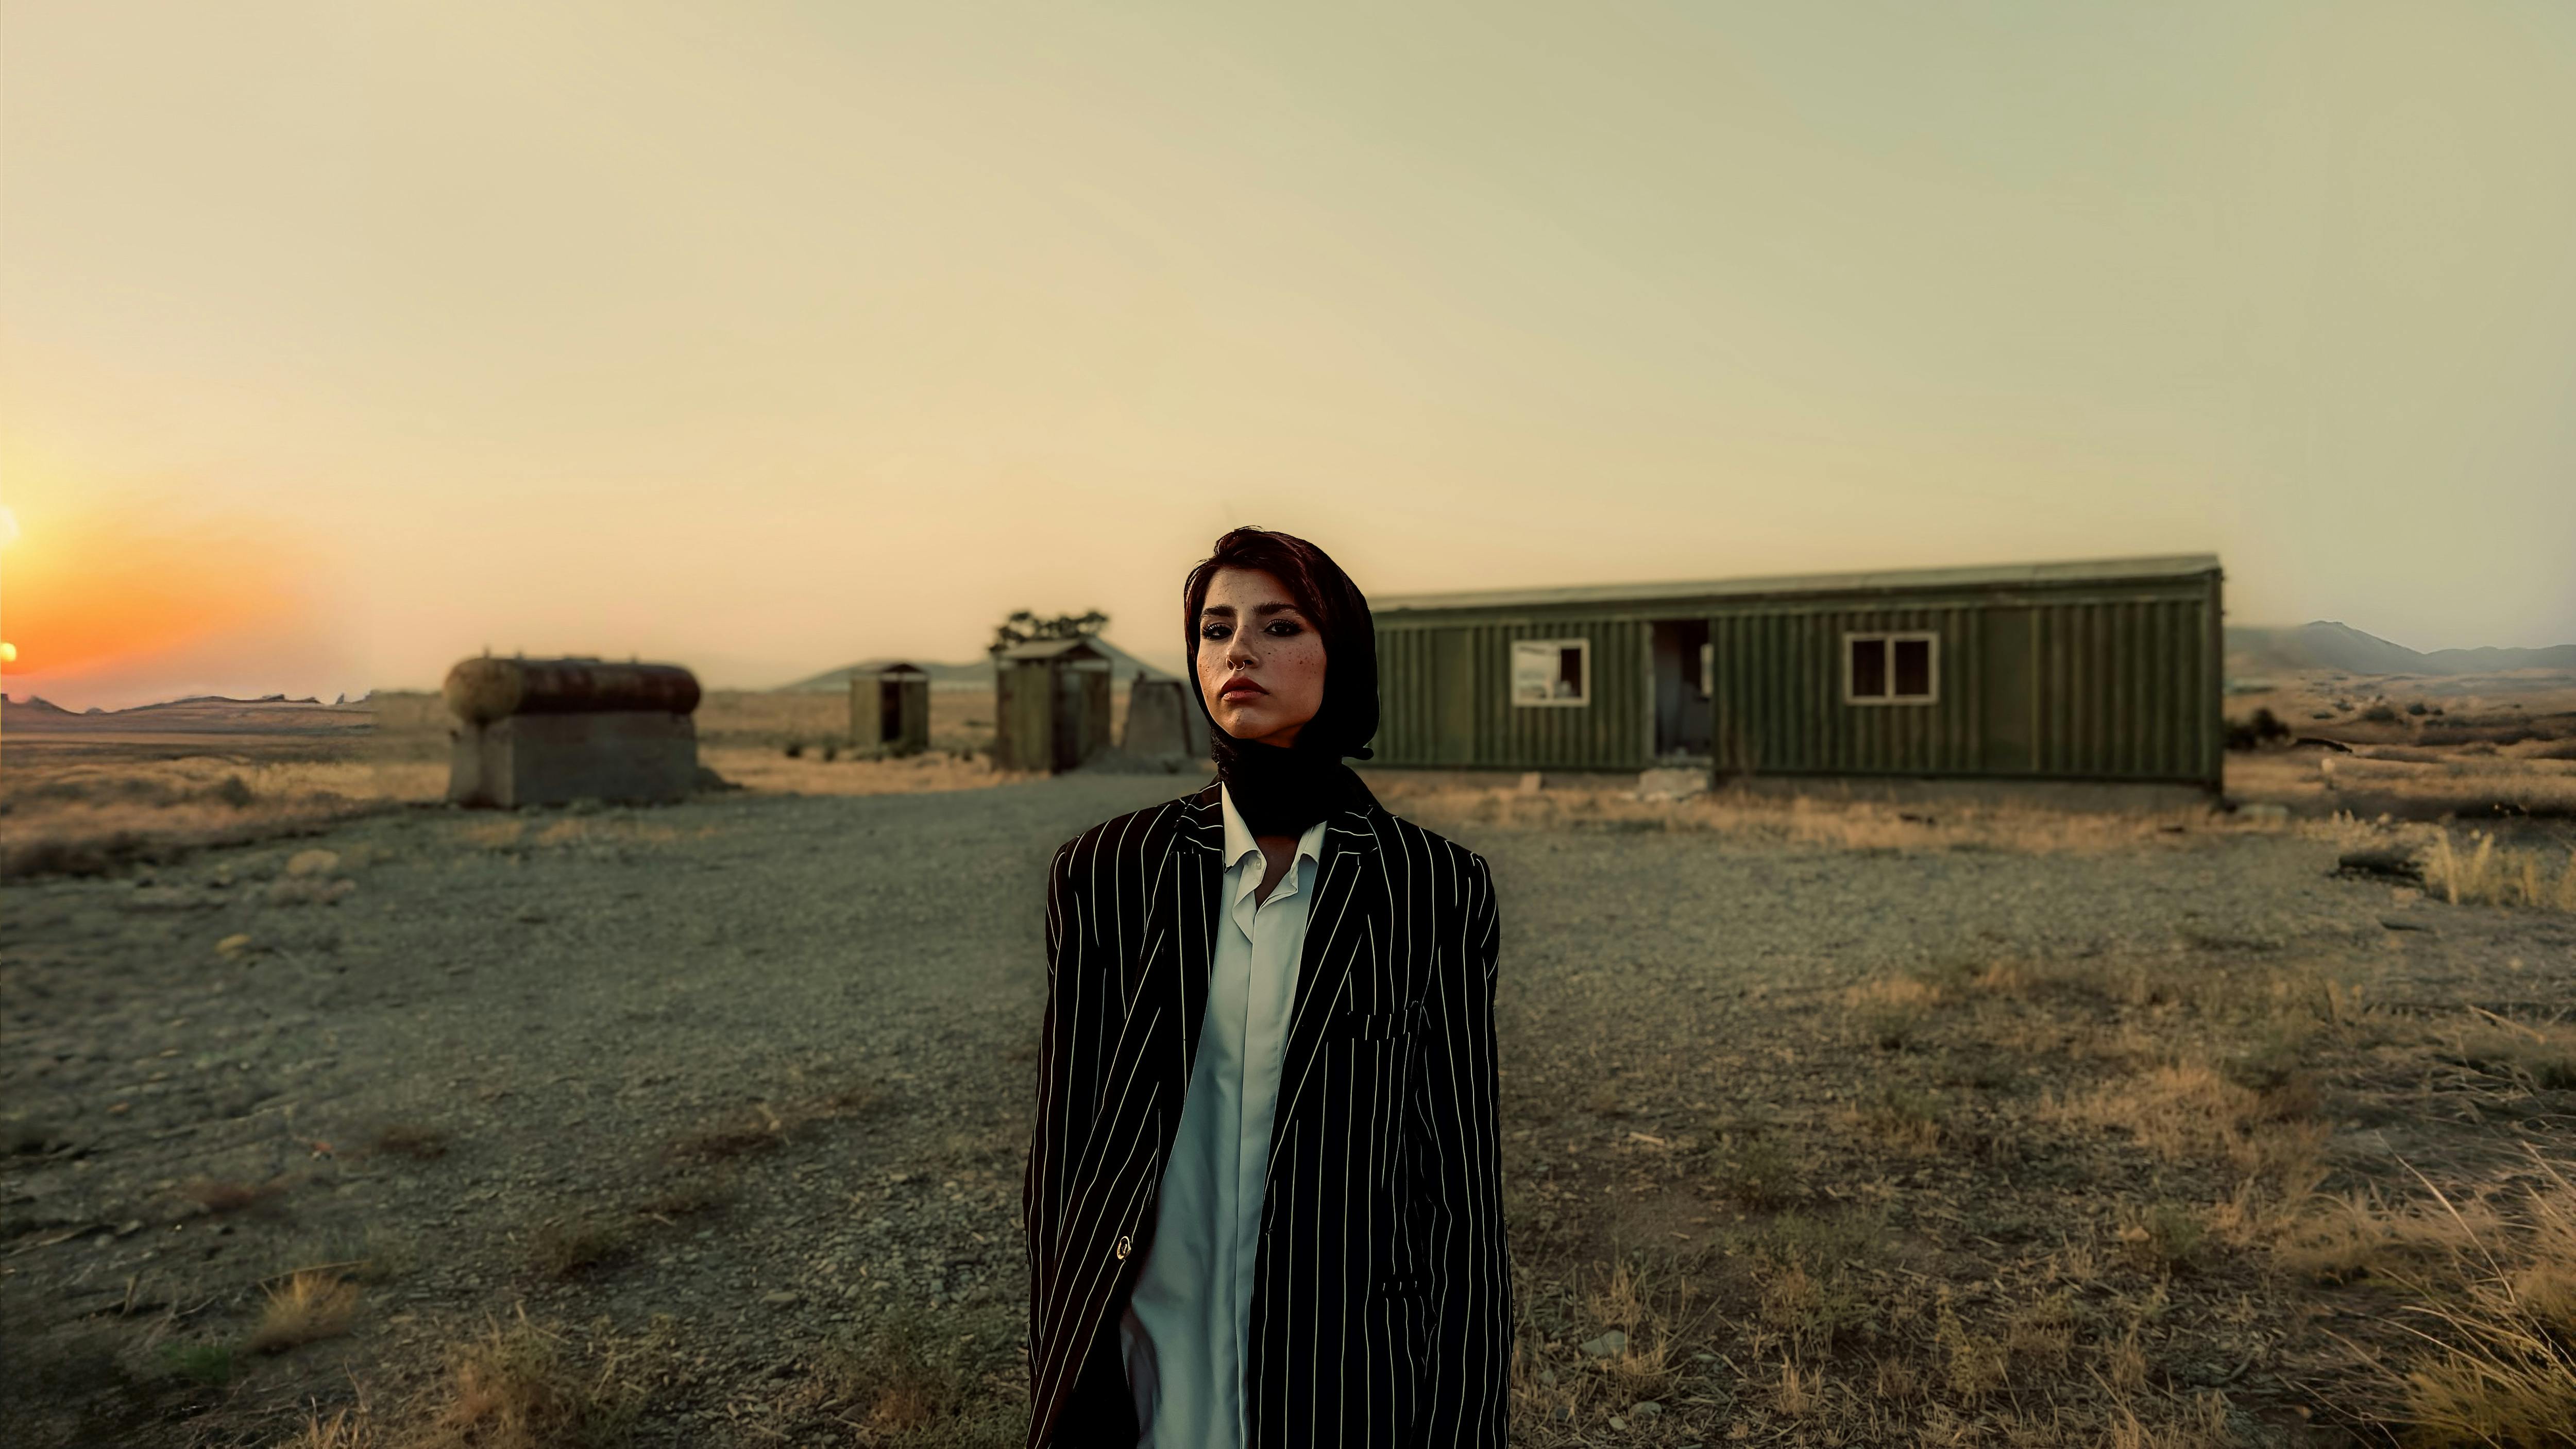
(1052, 649)
(2081, 571)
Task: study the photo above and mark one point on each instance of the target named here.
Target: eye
(1212, 631)
(1282, 628)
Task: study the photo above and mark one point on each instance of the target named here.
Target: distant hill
(2326, 644)
(197, 714)
(1123, 667)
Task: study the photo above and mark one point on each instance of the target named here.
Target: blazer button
(1123, 1245)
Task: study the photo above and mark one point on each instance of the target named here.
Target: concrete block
(632, 757)
(1162, 721)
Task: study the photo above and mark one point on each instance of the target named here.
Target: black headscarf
(1285, 791)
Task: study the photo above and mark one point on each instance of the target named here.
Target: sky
(340, 341)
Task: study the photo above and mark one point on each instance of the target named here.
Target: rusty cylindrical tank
(486, 689)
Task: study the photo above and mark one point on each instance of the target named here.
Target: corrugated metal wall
(2102, 684)
(1444, 698)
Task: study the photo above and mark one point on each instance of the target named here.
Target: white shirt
(1188, 1326)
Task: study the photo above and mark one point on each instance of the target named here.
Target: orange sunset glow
(93, 586)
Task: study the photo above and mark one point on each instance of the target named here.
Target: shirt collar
(1238, 836)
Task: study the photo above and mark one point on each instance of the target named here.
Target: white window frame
(1582, 700)
(1889, 638)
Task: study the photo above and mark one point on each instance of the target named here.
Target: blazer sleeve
(1458, 1175)
(1057, 1132)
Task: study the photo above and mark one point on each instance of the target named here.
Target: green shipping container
(2103, 670)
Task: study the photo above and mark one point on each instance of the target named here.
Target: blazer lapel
(1158, 1039)
(1337, 930)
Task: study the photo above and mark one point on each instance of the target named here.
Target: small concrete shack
(1162, 721)
(1050, 704)
(890, 707)
(549, 731)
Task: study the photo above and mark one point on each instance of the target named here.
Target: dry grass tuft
(517, 1388)
(569, 1249)
(1808, 820)
(2489, 874)
(689, 1198)
(224, 1195)
(763, 1127)
(312, 1303)
(2189, 1112)
(408, 1139)
(1898, 1118)
(917, 1381)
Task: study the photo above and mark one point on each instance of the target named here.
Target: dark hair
(1337, 609)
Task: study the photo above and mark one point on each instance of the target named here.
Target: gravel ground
(778, 1049)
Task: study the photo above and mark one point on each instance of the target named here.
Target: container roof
(1053, 649)
(887, 666)
(2109, 570)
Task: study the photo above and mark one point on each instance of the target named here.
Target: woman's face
(1260, 661)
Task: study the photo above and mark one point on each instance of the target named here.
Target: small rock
(1607, 1344)
(1671, 785)
(1645, 1408)
(783, 1298)
(313, 862)
(233, 945)
(1618, 1423)
(533, 915)
(2400, 923)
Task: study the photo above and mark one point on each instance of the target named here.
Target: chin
(1252, 724)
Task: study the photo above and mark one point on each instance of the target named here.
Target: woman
(1264, 1199)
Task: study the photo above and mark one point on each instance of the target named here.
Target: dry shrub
(1648, 1308)
(688, 1198)
(223, 1195)
(916, 1381)
(408, 1139)
(2489, 874)
(311, 1304)
(2164, 1238)
(759, 1130)
(2499, 1366)
(2202, 1426)
(517, 1388)
(1897, 1118)
(351, 1428)
(562, 1250)
(2357, 1236)
(763, 1126)
(2531, 1058)
(514, 1387)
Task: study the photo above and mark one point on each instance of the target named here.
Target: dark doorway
(1682, 710)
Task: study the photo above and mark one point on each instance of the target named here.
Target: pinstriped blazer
(1381, 1309)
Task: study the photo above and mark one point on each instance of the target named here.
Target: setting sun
(131, 578)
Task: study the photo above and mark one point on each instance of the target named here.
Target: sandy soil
(718, 1096)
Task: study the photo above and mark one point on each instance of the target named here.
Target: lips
(1240, 689)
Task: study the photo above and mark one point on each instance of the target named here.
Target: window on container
(1551, 671)
(1891, 668)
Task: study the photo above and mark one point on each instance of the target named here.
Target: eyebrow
(1226, 611)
